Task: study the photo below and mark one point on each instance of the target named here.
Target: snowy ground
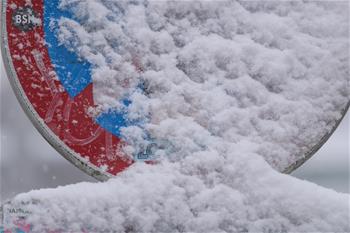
(225, 185)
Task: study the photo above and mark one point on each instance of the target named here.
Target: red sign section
(64, 121)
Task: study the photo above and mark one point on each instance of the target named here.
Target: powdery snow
(235, 90)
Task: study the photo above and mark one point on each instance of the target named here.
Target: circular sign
(54, 86)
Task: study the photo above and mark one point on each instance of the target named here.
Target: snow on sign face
(111, 82)
(220, 94)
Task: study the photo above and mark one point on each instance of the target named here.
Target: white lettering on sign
(24, 19)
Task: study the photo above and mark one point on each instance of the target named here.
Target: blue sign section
(114, 120)
(73, 73)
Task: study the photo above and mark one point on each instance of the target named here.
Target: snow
(234, 71)
(199, 197)
(236, 92)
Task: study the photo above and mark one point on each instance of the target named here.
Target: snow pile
(207, 195)
(233, 89)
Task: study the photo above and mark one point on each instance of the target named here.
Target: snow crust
(235, 91)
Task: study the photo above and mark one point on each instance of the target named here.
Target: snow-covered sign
(54, 84)
(55, 89)
(215, 94)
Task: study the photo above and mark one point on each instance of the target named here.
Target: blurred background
(28, 162)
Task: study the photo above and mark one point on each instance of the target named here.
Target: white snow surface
(268, 73)
(238, 90)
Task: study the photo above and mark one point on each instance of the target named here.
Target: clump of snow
(270, 73)
(235, 89)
